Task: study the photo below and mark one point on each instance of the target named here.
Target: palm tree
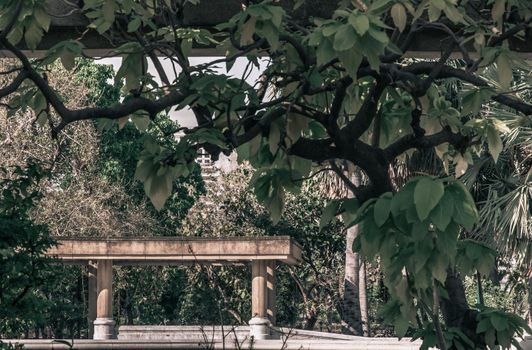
(503, 191)
(353, 308)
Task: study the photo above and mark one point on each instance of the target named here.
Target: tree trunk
(351, 318)
(311, 319)
(363, 297)
(530, 300)
(456, 311)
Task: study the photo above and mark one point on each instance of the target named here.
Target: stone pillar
(92, 271)
(259, 325)
(271, 290)
(104, 325)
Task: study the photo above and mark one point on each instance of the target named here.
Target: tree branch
(451, 72)
(362, 121)
(11, 88)
(115, 112)
(411, 141)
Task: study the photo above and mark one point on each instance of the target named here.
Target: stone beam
(177, 250)
(68, 22)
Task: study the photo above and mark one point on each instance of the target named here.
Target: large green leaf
(345, 38)
(381, 210)
(427, 194)
(399, 17)
(494, 142)
(441, 215)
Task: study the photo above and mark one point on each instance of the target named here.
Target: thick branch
(115, 112)
(365, 115)
(9, 89)
(411, 141)
(316, 150)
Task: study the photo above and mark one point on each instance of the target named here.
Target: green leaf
(33, 35)
(295, 124)
(434, 12)
(42, 17)
(160, 189)
(143, 170)
(403, 199)
(399, 17)
(274, 137)
(504, 71)
(329, 212)
(381, 211)
(439, 4)
(379, 36)
(489, 337)
(441, 214)
(439, 267)
(379, 6)
(401, 325)
(359, 22)
(500, 323)
(351, 61)
(325, 52)
(248, 29)
(427, 194)
(344, 39)
(269, 187)
(15, 35)
(483, 325)
(494, 142)
(141, 121)
(350, 207)
(465, 214)
(134, 24)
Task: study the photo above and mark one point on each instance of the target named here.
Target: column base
(104, 328)
(260, 328)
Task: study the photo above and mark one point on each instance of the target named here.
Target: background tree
(91, 171)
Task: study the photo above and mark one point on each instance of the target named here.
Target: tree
(345, 93)
(23, 243)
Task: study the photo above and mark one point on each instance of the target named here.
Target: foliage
(341, 91)
(23, 243)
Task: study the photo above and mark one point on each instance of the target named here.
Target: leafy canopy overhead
(338, 91)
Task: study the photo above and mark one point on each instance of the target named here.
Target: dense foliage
(22, 243)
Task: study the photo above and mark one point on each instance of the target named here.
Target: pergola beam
(68, 22)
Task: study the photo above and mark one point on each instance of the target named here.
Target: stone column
(271, 290)
(104, 325)
(93, 294)
(260, 324)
